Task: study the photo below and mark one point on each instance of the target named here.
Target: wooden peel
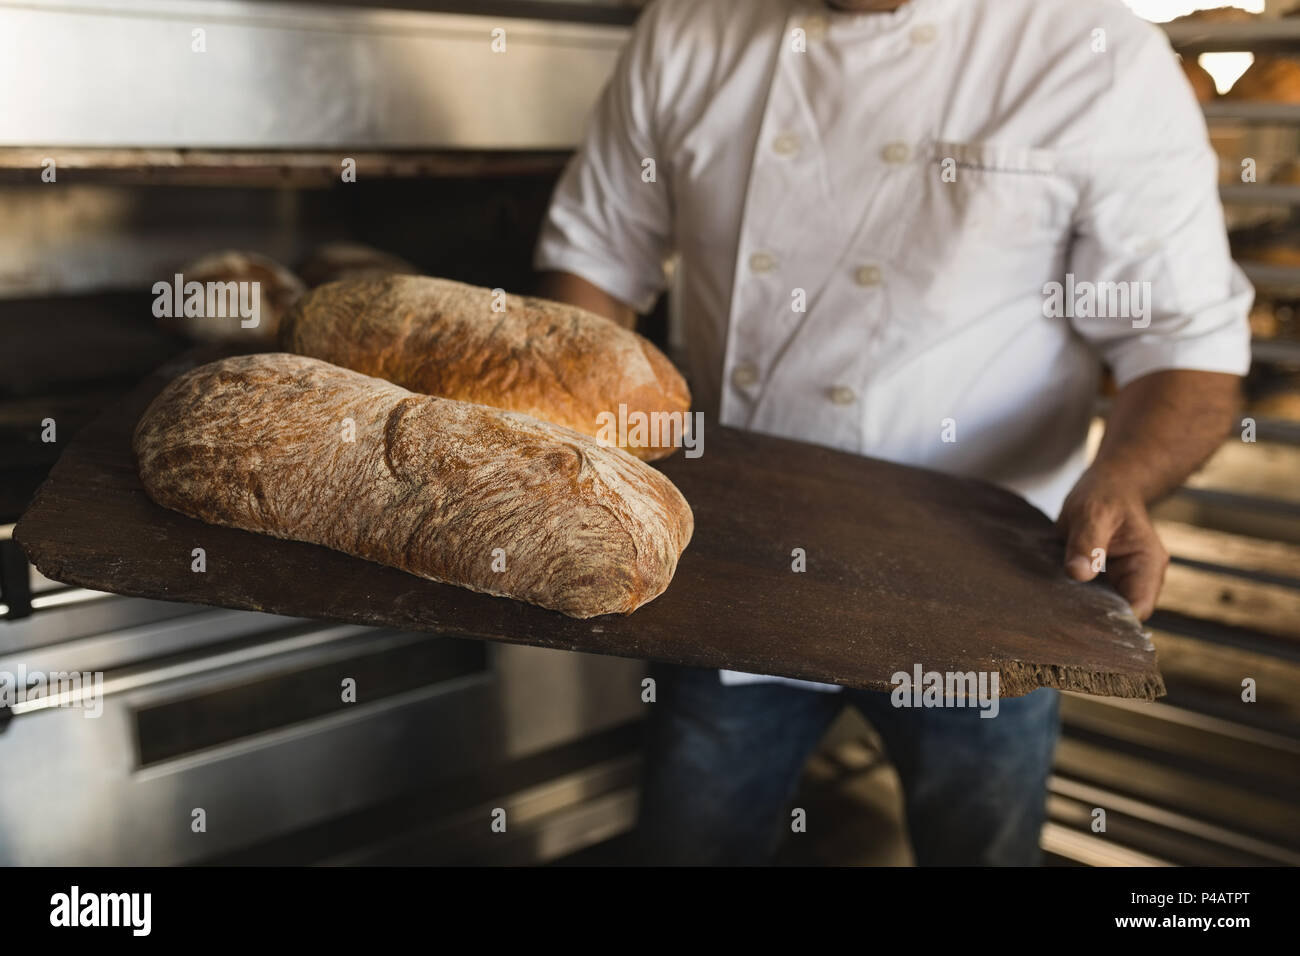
(904, 567)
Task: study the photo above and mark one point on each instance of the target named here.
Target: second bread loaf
(551, 361)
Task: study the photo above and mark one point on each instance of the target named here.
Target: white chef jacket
(799, 152)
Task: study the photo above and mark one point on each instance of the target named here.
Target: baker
(914, 175)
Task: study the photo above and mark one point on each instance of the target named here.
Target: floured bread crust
(551, 361)
(431, 486)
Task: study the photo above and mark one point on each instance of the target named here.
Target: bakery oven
(172, 134)
(304, 139)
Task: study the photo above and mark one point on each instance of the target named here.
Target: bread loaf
(551, 361)
(1217, 15)
(446, 490)
(1270, 79)
(1277, 253)
(1286, 173)
(350, 260)
(278, 289)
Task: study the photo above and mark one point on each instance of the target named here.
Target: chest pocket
(986, 221)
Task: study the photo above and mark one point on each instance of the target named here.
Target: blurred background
(162, 158)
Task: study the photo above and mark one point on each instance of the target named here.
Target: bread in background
(1286, 174)
(1283, 403)
(1270, 79)
(1274, 254)
(1217, 15)
(278, 289)
(1264, 320)
(546, 359)
(336, 261)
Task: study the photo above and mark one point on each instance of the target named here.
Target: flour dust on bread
(554, 362)
(464, 494)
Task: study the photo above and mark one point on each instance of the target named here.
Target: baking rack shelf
(1271, 278)
(1266, 34)
(298, 168)
(1263, 194)
(1276, 351)
(1277, 430)
(1253, 112)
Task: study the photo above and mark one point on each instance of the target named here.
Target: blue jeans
(723, 764)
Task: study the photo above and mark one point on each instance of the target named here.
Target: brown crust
(551, 361)
(1217, 15)
(428, 485)
(1284, 404)
(1274, 254)
(1202, 83)
(1270, 79)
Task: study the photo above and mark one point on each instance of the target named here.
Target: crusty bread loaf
(555, 362)
(278, 287)
(1263, 320)
(1276, 253)
(431, 486)
(1286, 173)
(1278, 404)
(1217, 15)
(1270, 79)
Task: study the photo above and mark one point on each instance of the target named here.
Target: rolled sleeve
(1152, 216)
(1215, 338)
(609, 221)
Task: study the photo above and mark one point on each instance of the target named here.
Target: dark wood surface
(270, 168)
(904, 567)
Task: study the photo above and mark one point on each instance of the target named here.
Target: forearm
(574, 290)
(1162, 427)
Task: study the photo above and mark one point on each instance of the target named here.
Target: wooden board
(905, 567)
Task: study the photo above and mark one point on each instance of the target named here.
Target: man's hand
(1108, 529)
(1161, 428)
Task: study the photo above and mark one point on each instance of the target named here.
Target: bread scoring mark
(391, 424)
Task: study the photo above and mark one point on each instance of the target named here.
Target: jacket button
(896, 153)
(744, 375)
(923, 33)
(787, 144)
(843, 395)
(867, 275)
(762, 262)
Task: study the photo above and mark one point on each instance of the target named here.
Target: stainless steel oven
(168, 129)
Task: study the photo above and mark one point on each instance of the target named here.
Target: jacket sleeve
(610, 219)
(1151, 215)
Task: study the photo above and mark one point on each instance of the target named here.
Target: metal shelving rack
(1261, 35)
(1201, 777)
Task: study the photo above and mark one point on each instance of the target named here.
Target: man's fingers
(1112, 533)
(1090, 533)
(1138, 578)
